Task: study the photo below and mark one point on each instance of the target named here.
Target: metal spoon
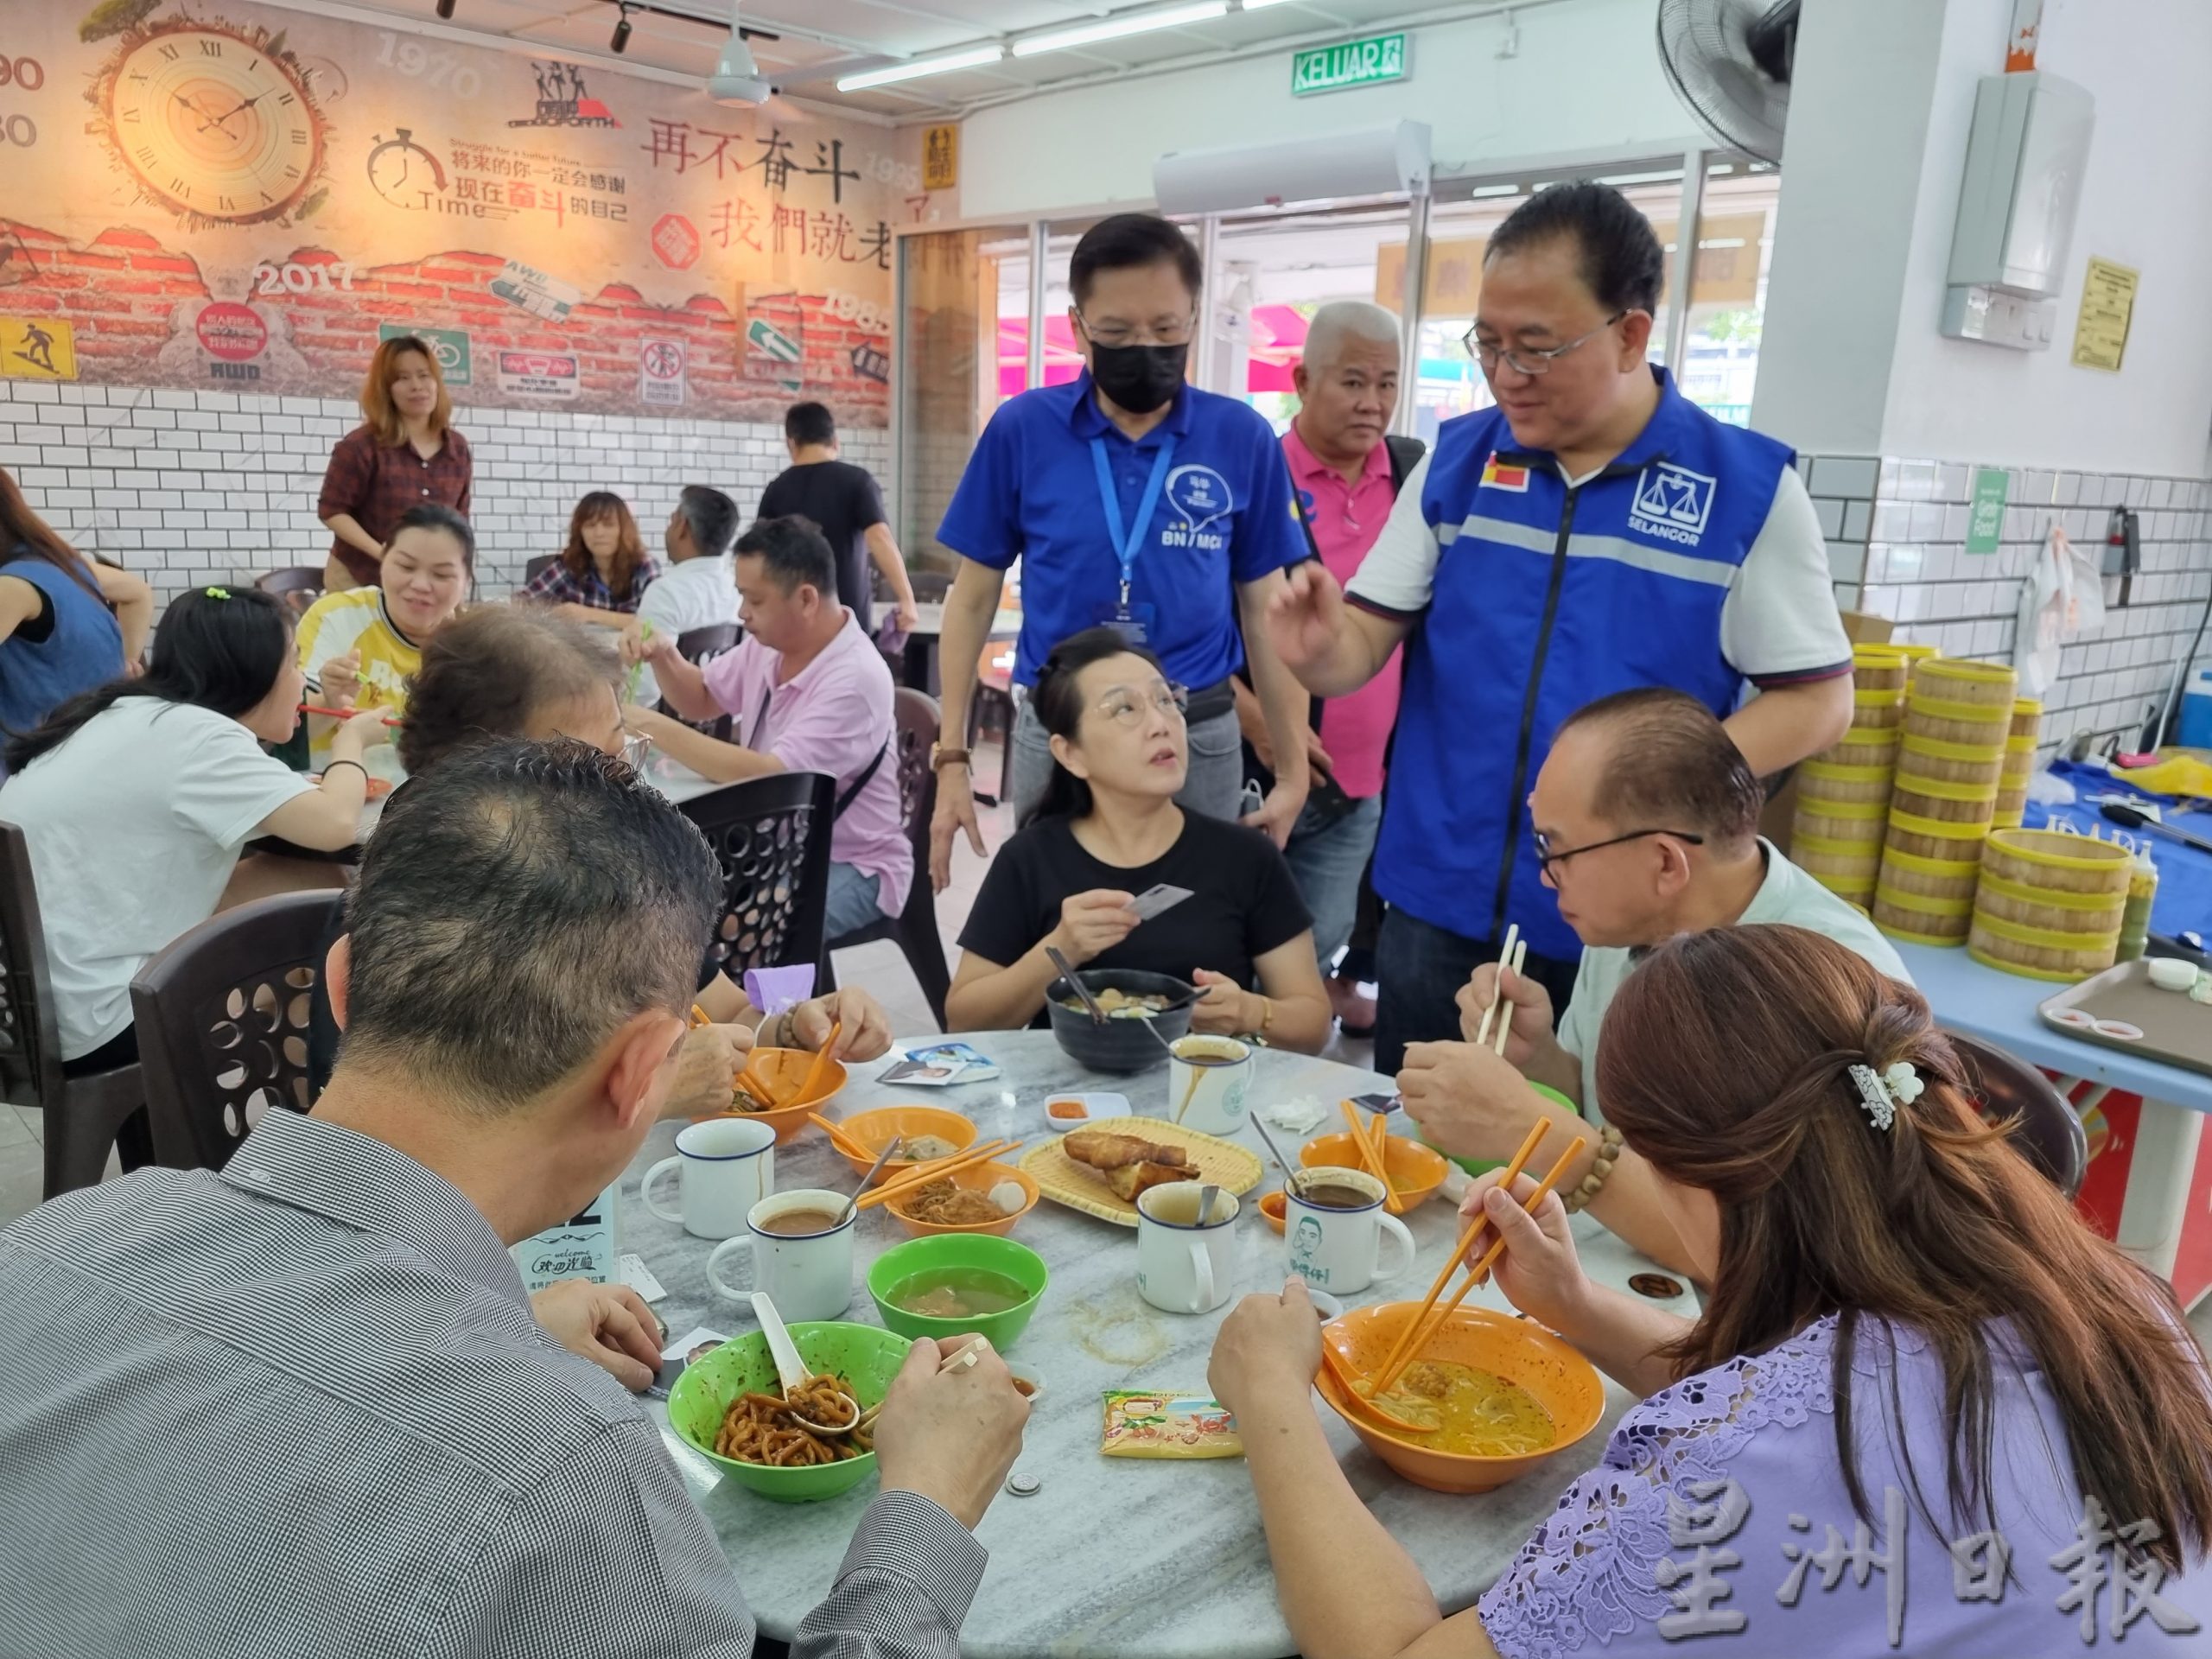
(1067, 972)
(1293, 1176)
(1206, 1196)
(791, 1370)
(867, 1180)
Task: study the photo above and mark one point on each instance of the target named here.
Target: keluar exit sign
(1349, 63)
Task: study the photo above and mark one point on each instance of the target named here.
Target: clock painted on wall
(215, 122)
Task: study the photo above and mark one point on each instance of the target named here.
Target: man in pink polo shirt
(808, 691)
(1344, 475)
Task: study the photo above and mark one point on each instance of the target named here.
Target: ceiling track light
(620, 43)
(445, 9)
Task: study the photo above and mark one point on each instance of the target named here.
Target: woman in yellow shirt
(359, 648)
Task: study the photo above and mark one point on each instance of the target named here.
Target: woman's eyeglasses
(1127, 708)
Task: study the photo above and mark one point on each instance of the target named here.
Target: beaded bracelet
(1609, 1153)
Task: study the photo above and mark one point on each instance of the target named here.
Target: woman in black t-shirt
(1107, 830)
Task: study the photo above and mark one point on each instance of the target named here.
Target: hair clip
(216, 592)
(1874, 1094)
(1903, 1082)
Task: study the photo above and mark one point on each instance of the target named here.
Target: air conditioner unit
(1373, 162)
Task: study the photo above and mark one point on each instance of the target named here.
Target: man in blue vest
(1593, 532)
(1136, 501)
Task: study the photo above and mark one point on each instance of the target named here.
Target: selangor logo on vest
(1672, 502)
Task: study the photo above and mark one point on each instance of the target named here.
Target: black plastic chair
(2047, 1133)
(531, 566)
(770, 836)
(915, 926)
(296, 586)
(222, 1018)
(85, 1115)
(702, 646)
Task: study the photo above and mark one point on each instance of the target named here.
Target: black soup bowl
(1121, 1044)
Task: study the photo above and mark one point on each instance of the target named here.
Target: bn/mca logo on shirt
(1672, 502)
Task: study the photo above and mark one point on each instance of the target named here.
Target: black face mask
(1138, 379)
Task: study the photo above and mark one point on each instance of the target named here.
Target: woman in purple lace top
(1926, 1411)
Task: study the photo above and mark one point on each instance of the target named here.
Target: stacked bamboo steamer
(2049, 905)
(1950, 755)
(2019, 763)
(1843, 793)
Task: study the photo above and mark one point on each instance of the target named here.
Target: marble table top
(1113, 1558)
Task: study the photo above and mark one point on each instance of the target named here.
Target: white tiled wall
(191, 488)
(1897, 548)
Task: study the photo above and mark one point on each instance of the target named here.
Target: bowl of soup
(923, 1133)
(1416, 1171)
(958, 1284)
(1505, 1394)
(1138, 1006)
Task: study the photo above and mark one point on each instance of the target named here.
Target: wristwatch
(942, 756)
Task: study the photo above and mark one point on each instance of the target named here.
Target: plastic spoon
(791, 1370)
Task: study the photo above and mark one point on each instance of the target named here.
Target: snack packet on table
(1150, 1424)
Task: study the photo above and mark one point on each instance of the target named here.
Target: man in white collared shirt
(697, 590)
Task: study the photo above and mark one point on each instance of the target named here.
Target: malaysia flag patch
(1504, 476)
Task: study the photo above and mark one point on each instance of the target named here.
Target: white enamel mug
(1338, 1250)
(1208, 1079)
(809, 1273)
(1186, 1262)
(725, 1165)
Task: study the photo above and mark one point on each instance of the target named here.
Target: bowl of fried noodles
(729, 1407)
(972, 1200)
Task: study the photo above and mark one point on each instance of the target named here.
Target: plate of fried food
(1100, 1168)
(731, 1408)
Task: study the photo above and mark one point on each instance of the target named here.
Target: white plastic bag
(2061, 599)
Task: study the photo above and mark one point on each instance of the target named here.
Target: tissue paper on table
(1300, 1114)
(779, 990)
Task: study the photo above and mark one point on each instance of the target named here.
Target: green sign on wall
(450, 344)
(1985, 515)
(1349, 63)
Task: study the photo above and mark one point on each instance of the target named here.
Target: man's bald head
(1660, 761)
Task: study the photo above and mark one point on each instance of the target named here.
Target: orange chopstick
(1380, 1125)
(1369, 1159)
(922, 1174)
(1475, 1274)
(845, 1143)
(1528, 1145)
(821, 1058)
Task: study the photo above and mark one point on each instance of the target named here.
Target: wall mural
(216, 193)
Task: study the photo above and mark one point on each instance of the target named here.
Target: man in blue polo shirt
(1135, 500)
(1592, 532)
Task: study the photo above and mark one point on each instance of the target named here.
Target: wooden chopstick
(1520, 954)
(1529, 1146)
(1426, 1333)
(844, 1142)
(923, 1174)
(1497, 986)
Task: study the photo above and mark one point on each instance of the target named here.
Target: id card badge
(1133, 622)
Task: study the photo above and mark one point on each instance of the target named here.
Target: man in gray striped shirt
(302, 1406)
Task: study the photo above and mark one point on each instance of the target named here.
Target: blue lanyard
(1127, 543)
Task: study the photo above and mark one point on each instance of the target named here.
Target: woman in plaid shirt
(406, 454)
(603, 571)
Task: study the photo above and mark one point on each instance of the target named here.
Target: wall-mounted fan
(1730, 60)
